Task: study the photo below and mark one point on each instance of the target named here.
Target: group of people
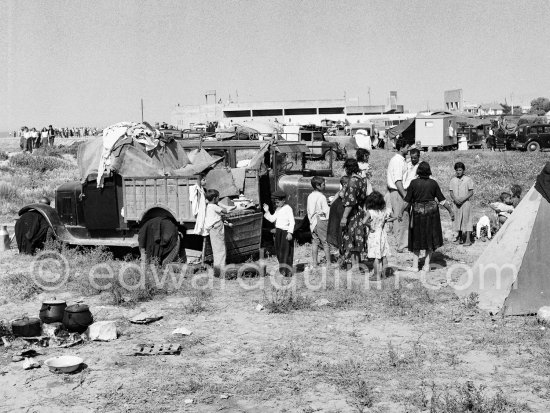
(357, 220)
(30, 138)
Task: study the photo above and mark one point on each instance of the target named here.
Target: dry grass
(395, 346)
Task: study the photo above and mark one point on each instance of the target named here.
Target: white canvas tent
(512, 276)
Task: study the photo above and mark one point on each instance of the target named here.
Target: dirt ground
(405, 344)
(366, 350)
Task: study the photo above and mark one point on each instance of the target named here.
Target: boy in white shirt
(283, 217)
(318, 213)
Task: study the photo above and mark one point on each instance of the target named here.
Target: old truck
(110, 209)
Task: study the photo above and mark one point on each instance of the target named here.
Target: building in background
(453, 100)
(287, 112)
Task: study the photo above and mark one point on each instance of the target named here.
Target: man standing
(51, 136)
(412, 166)
(396, 175)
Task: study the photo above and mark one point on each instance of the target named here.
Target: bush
(37, 162)
(3, 156)
(284, 300)
(58, 151)
(20, 285)
(9, 193)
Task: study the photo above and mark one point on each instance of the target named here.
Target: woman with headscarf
(424, 196)
(354, 238)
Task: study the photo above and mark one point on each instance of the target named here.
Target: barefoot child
(376, 217)
(318, 213)
(283, 218)
(461, 190)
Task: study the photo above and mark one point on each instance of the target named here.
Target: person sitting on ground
(504, 208)
(318, 214)
(516, 194)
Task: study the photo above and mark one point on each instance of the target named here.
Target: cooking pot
(52, 311)
(77, 318)
(26, 327)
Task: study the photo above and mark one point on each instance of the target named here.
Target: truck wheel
(328, 154)
(533, 147)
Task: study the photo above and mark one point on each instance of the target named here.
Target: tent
(406, 129)
(512, 275)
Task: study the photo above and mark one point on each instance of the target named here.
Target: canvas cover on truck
(131, 155)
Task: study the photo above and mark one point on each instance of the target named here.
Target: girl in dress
(377, 242)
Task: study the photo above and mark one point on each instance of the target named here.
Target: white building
(287, 112)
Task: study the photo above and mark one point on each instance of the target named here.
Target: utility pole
(369, 96)
(141, 110)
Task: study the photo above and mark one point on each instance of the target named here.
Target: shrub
(37, 162)
(284, 300)
(9, 193)
(3, 156)
(20, 285)
(58, 151)
(466, 398)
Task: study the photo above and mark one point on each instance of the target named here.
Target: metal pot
(77, 318)
(52, 311)
(26, 327)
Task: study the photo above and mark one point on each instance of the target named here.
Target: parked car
(533, 137)
(320, 147)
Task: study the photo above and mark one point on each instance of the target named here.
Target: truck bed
(171, 192)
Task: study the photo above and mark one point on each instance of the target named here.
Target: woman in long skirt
(424, 196)
(354, 237)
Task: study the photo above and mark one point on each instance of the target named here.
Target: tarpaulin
(401, 128)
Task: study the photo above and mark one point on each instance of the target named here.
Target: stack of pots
(75, 318)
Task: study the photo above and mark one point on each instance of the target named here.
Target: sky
(89, 63)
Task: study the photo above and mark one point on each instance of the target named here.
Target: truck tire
(334, 155)
(533, 147)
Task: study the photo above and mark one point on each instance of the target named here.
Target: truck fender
(163, 208)
(51, 216)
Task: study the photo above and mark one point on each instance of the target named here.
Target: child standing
(213, 223)
(461, 190)
(198, 204)
(318, 214)
(334, 232)
(378, 246)
(283, 217)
